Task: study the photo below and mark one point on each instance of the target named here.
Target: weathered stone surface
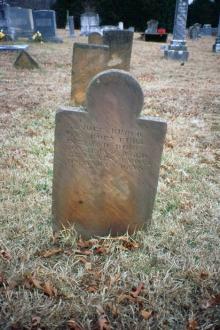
(177, 50)
(107, 159)
(25, 61)
(95, 38)
(88, 60)
(45, 23)
(120, 44)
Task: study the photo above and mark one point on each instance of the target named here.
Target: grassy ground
(166, 278)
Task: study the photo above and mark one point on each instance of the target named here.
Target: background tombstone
(107, 160)
(206, 30)
(4, 19)
(71, 26)
(120, 44)
(88, 60)
(177, 50)
(89, 23)
(21, 22)
(193, 32)
(45, 23)
(152, 26)
(121, 26)
(25, 61)
(95, 38)
(216, 46)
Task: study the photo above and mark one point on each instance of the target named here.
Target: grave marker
(21, 22)
(71, 26)
(107, 159)
(216, 46)
(88, 60)
(177, 50)
(95, 38)
(120, 44)
(25, 61)
(45, 23)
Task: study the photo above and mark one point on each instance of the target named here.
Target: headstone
(21, 22)
(131, 28)
(121, 26)
(216, 46)
(193, 33)
(71, 26)
(152, 26)
(120, 44)
(206, 30)
(25, 61)
(95, 38)
(88, 60)
(45, 23)
(177, 50)
(4, 20)
(89, 23)
(107, 160)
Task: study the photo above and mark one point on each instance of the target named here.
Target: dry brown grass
(178, 259)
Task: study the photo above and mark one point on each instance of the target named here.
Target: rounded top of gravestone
(115, 92)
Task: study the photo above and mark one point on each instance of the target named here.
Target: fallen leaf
(84, 252)
(73, 325)
(49, 289)
(51, 252)
(100, 250)
(5, 255)
(92, 289)
(84, 244)
(192, 325)
(35, 321)
(135, 292)
(124, 297)
(103, 322)
(204, 275)
(31, 281)
(214, 301)
(130, 245)
(146, 314)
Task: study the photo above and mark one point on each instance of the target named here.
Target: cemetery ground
(165, 278)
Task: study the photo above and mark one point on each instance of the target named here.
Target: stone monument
(88, 60)
(95, 38)
(89, 22)
(152, 26)
(216, 46)
(71, 26)
(25, 61)
(106, 160)
(120, 43)
(21, 22)
(45, 23)
(177, 50)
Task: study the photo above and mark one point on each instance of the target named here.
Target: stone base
(216, 46)
(56, 40)
(177, 50)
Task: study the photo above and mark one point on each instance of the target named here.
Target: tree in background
(204, 12)
(137, 12)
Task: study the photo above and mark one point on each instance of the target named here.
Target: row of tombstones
(23, 22)
(106, 157)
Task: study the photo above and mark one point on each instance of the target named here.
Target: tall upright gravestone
(107, 159)
(21, 22)
(177, 50)
(45, 23)
(120, 44)
(88, 60)
(216, 46)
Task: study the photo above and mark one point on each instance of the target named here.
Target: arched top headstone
(117, 91)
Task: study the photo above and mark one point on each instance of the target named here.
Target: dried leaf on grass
(104, 323)
(192, 325)
(35, 322)
(136, 291)
(73, 325)
(47, 287)
(146, 314)
(5, 255)
(50, 252)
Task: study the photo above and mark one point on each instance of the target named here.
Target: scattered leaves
(50, 252)
(32, 282)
